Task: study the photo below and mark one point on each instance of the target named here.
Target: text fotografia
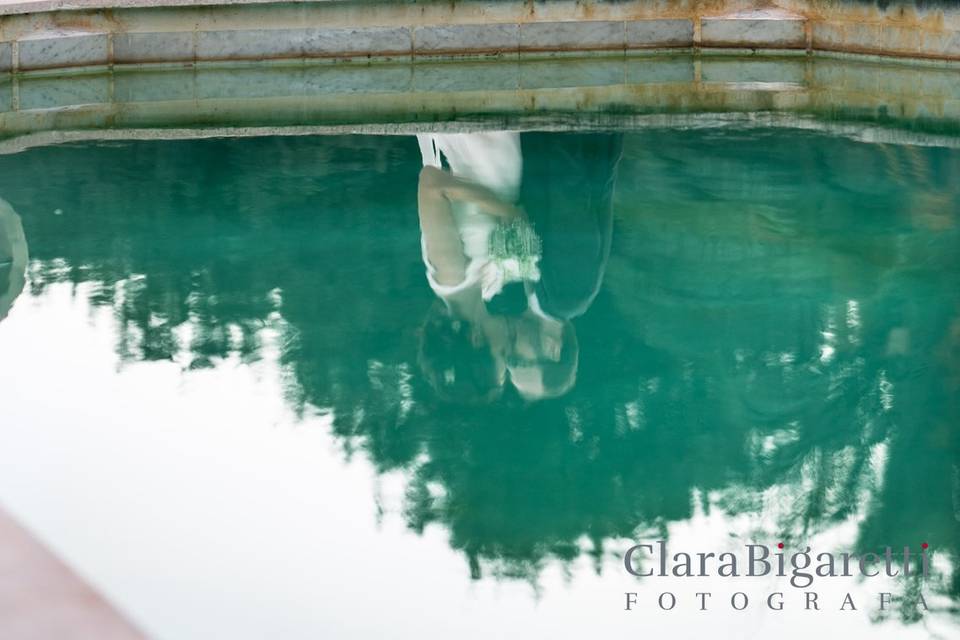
(802, 567)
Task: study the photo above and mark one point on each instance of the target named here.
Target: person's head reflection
(13, 257)
(507, 293)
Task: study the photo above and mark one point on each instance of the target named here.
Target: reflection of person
(568, 191)
(13, 257)
(463, 349)
(476, 241)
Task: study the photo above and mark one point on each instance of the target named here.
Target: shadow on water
(779, 313)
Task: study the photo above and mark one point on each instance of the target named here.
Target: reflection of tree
(779, 315)
(822, 313)
(199, 235)
(747, 345)
(13, 257)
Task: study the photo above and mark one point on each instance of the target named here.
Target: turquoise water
(771, 352)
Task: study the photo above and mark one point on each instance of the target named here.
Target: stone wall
(53, 34)
(871, 100)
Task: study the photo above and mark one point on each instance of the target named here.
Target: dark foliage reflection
(779, 311)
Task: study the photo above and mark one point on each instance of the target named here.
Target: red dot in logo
(779, 545)
(924, 545)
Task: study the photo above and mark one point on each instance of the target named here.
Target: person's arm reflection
(13, 257)
(436, 196)
(463, 346)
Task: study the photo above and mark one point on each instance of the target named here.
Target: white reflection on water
(204, 507)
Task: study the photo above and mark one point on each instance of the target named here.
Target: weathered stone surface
(772, 71)
(362, 41)
(154, 87)
(943, 44)
(571, 36)
(853, 37)
(50, 92)
(628, 89)
(745, 32)
(6, 96)
(659, 70)
(250, 44)
(171, 46)
(47, 50)
(658, 33)
(478, 76)
(559, 73)
(6, 56)
(349, 79)
(464, 38)
(217, 31)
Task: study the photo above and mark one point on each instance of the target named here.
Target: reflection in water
(13, 257)
(477, 241)
(777, 332)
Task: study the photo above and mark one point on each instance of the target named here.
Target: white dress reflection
(13, 257)
(468, 353)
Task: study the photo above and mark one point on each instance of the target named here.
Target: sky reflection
(212, 374)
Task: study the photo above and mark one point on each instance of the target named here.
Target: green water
(776, 336)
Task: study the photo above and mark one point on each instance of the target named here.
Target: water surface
(217, 405)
